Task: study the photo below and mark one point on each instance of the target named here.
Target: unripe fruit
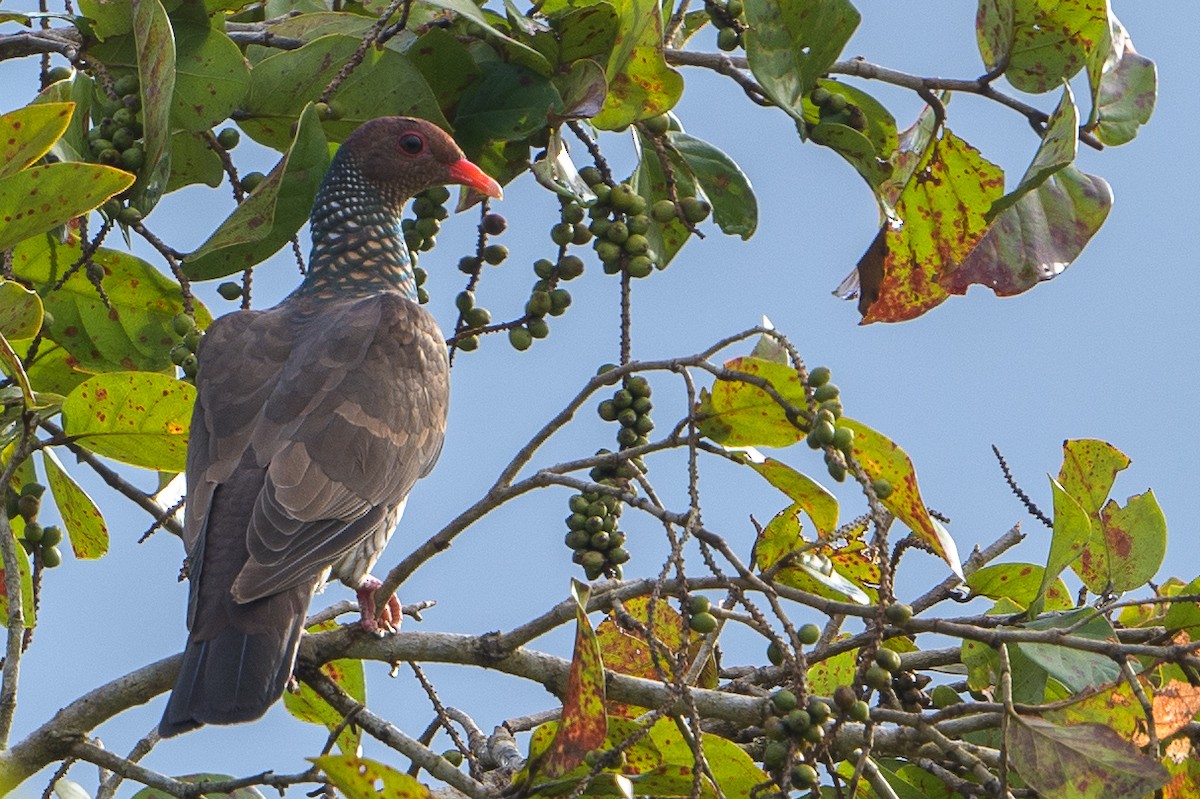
(728, 39)
(809, 634)
(824, 433)
(123, 118)
(774, 728)
(775, 755)
(818, 709)
(784, 702)
(640, 266)
(573, 213)
(252, 180)
(453, 757)
(182, 324)
(34, 533)
(798, 720)
(51, 557)
(230, 290)
(621, 197)
(570, 267)
(51, 536)
(844, 697)
(469, 264)
(608, 411)
(657, 126)
(618, 555)
(703, 623)
(477, 317)
(820, 96)
(125, 85)
(591, 175)
(229, 138)
(465, 301)
(877, 677)
(129, 215)
(538, 328)
(945, 696)
(663, 211)
(28, 506)
(190, 366)
(819, 376)
(58, 73)
(899, 613)
(468, 343)
(539, 304)
(637, 244)
(562, 233)
(883, 490)
(607, 251)
(639, 224)
(814, 734)
(860, 711)
(836, 103)
(593, 560)
(694, 209)
(109, 156)
(774, 654)
(617, 232)
(581, 234)
(843, 439)
(888, 658)
(577, 539)
(560, 300)
(122, 139)
(543, 268)
(825, 392)
(178, 353)
(804, 776)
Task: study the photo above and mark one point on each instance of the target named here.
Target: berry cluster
(183, 354)
(879, 674)
(116, 138)
(725, 16)
(545, 299)
(630, 406)
(791, 727)
(834, 107)
(701, 618)
(825, 432)
(428, 209)
(36, 539)
(619, 224)
(593, 535)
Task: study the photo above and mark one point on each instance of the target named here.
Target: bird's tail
(237, 662)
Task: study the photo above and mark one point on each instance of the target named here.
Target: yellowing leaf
(28, 133)
(20, 311)
(360, 778)
(42, 197)
(85, 524)
(737, 413)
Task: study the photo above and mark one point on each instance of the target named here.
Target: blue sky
(1107, 350)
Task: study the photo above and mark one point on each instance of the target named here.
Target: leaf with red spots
(1089, 469)
(1083, 761)
(307, 705)
(880, 457)
(640, 82)
(790, 44)
(360, 778)
(583, 723)
(810, 566)
(942, 217)
(734, 208)
(810, 496)
(28, 133)
(1124, 87)
(824, 676)
(272, 214)
(139, 418)
(28, 609)
(154, 42)
(84, 523)
(132, 332)
(1040, 44)
(1126, 547)
(740, 414)
(734, 770)
(43, 197)
(20, 311)
(1021, 583)
(1057, 150)
(211, 78)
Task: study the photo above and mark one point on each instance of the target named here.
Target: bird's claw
(386, 619)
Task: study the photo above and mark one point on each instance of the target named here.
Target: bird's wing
(343, 426)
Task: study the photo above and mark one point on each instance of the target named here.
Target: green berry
(453, 757)
(126, 85)
(889, 659)
(814, 734)
(622, 198)
(804, 776)
(638, 224)
(591, 175)
(945, 696)
(58, 73)
(703, 623)
(123, 118)
(826, 392)
(183, 324)
(798, 720)
(663, 211)
(774, 728)
(637, 244)
(538, 328)
(809, 634)
(774, 654)
(699, 603)
(178, 353)
(543, 268)
(627, 417)
(469, 264)
(608, 411)
(618, 555)
(465, 301)
(820, 96)
(251, 181)
(883, 490)
(562, 233)
(775, 755)
(477, 317)
(657, 126)
(640, 266)
(122, 139)
(560, 300)
(438, 195)
(694, 209)
(230, 290)
(570, 267)
(34, 533)
(109, 156)
(819, 376)
(129, 215)
(190, 365)
(229, 138)
(843, 439)
(824, 433)
(728, 39)
(51, 557)
(783, 701)
(899, 613)
(52, 536)
(877, 677)
(818, 709)
(539, 303)
(860, 711)
(581, 234)
(836, 104)
(468, 343)
(608, 252)
(617, 232)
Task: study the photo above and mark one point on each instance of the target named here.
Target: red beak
(466, 173)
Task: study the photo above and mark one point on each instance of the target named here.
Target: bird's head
(403, 156)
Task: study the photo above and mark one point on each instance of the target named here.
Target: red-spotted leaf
(139, 418)
(307, 705)
(1083, 761)
(812, 497)
(1126, 546)
(43, 197)
(131, 331)
(272, 214)
(360, 778)
(211, 79)
(583, 723)
(1050, 42)
(155, 43)
(28, 609)
(85, 524)
(640, 83)
(811, 566)
(740, 414)
(994, 31)
(882, 457)
(1022, 583)
(1056, 151)
(734, 770)
(20, 311)
(27, 133)
(1037, 238)
(1089, 469)
(942, 215)
(791, 44)
(1124, 87)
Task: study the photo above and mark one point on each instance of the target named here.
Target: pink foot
(384, 620)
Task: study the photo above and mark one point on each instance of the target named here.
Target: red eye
(411, 143)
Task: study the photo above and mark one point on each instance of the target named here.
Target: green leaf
(1022, 583)
(1038, 238)
(20, 311)
(446, 65)
(740, 414)
(1184, 615)
(28, 133)
(1124, 88)
(792, 43)
(869, 150)
(640, 83)
(307, 705)
(522, 53)
(139, 418)
(193, 161)
(1084, 761)
(28, 608)
(155, 42)
(43, 197)
(269, 217)
(107, 18)
(1056, 151)
(1072, 528)
(1127, 546)
(649, 181)
(132, 332)
(942, 211)
(1077, 669)
(735, 771)
(507, 104)
(879, 457)
(360, 778)
(385, 84)
(735, 209)
(1052, 41)
(826, 675)
(211, 80)
(809, 495)
(84, 522)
